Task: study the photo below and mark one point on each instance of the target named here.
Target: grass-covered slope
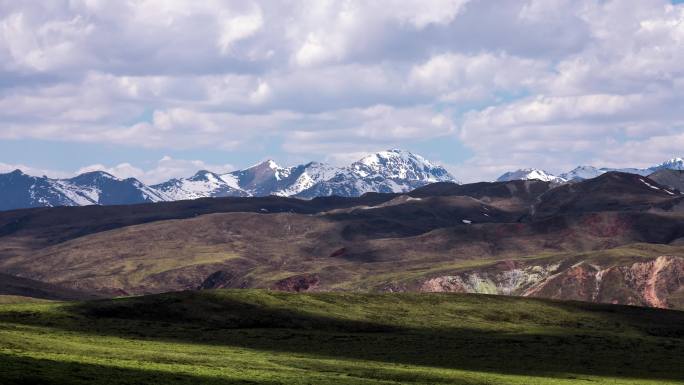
(251, 336)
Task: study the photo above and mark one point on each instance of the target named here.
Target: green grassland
(262, 337)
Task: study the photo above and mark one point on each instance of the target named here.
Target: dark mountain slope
(11, 285)
(21, 190)
(53, 225)
(673, 179)
(515, 195)
(612, 191)
(18, 190)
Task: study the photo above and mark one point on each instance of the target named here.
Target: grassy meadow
(262, 337)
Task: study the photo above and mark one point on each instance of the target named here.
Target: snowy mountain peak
(19, 190)
(94, 176)
(582, 172)
(672, 164)
(386, 171)
(206, 176)
(202, 174)
(267, 164)
(303, 177)
(400, 164)
(389, 171)
(201, 185)
(588, 172)
(393, 171)
(382, 157)
(529, 174)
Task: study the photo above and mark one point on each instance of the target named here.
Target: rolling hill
(260, 337)
(616, 238)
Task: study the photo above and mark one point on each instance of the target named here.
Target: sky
(157, 89)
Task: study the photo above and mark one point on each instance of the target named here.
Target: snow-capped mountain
(672, 164)
(304, 177)
(386, 171)
(266, 178)
(101, 188)
(587, 172)
(530, 174)
(201, 185)
(400, 165)
(21, 190)
(18, 190)
(393, 171)
(582, 173)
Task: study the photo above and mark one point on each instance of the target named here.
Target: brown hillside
(376, 242)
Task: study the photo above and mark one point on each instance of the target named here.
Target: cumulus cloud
(348, 133)
(520, 83)
(599, 105)
(459, 77)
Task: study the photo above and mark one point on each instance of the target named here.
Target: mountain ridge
(20, 190)
(394, 171)
(385, 171)
(390, 171)
(617, 238)
(584, 172)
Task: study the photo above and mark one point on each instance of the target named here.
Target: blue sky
(158, 89)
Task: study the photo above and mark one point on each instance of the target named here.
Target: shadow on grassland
(15, 370)
(633, 350)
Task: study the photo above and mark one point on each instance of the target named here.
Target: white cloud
(459, 77)
(261, 94)
(338, 134)
(237, 28)
(332, 32)
(614, 103)
(520, 83)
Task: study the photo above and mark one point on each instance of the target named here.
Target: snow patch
(530, 174)
(650, 185)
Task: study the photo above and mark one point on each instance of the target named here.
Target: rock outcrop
(652, 282)
(297, 283)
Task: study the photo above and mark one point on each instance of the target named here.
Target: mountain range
(18, 190)
(391, 171)
(386, 171)
(616, 238)
(586, 172)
